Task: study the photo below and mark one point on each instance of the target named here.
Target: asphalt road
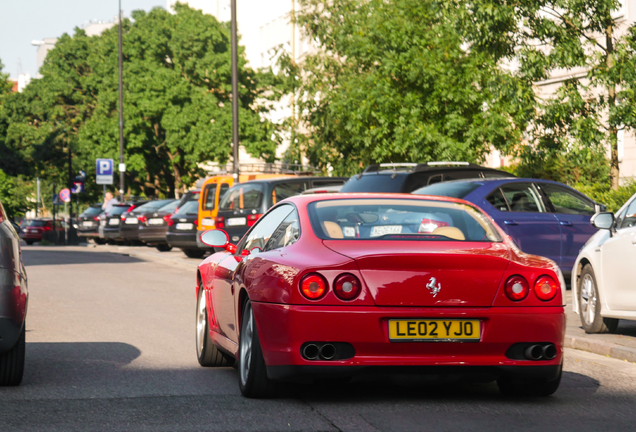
(110, 346)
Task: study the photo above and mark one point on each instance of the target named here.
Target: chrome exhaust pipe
(549, 352)
(327, 352)
(534, 352)
(311, 351)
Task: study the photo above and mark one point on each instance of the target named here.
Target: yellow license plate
(434, 330)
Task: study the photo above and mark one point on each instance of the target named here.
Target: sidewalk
(175, 257)
(621, 345)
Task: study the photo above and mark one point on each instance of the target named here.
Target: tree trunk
(613, 130)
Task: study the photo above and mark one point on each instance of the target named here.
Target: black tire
(208, 354)
(29, 242)
(590, 305)
(194, 253)
(529, 387)
(12, 362)
(164, 248)
(253, 380)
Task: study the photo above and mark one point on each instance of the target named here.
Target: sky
(22, 21)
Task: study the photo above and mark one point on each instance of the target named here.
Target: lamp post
(235, 96)
(122, 166)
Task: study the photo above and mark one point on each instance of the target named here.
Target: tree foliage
(177, 103)
(581, 41)
(393, 82)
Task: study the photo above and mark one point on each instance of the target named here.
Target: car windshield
(190, 207)
(170, 207)
(92, 211)
(36, 223)
(117, 210)
(243, 196)
(399, 219)
(375, 183)
(450, 189)
(152, 205)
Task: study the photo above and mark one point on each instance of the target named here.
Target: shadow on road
(58, 256)
(413, 387)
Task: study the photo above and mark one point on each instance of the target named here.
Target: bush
(602, 194)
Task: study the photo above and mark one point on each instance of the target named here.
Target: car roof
(307, 199)
(429, 167)
(287, 179)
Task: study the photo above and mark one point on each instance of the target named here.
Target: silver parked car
(13, 304)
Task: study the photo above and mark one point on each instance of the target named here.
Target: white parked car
(604, 274)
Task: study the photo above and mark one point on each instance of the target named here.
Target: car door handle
(566, 223)
(511, 222)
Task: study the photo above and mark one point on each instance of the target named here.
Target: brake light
(313, 286)
(219, 222)
(347, 287)
(142, 219)
(167, 217)
(196, 222)
(96, 218)
(131, 208)
(251, 219)
(430, 225)
(170, 221)
(517, 288)
(545, 288)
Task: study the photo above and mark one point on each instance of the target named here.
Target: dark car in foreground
(543, 217)
(132, 219)
(88, 223)
(244, 203)
(13, 304)
(182, 229)
(407, 177)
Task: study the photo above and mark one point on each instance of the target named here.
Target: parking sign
(105, 171)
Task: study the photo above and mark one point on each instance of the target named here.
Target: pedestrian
(109, 202)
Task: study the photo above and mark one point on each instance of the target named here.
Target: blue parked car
(543, 217)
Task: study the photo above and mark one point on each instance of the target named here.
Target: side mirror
(218, 238)
(603, 220)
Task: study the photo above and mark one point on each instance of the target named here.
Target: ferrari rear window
(243, 196)
(399, 219)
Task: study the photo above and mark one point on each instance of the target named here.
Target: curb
(599, 347)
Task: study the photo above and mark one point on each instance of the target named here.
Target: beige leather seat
(450, 232)
(333, 230)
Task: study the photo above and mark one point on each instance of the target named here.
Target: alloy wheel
(246, 346)
(588, 299)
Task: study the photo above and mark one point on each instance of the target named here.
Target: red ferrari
(341, 284)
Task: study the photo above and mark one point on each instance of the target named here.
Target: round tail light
(313, 286)
(517, 288)
(545, 288)
(347, 287)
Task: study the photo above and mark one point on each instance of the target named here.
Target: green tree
(14, 195)
(177, 103)
(578, 39)
(393, 82)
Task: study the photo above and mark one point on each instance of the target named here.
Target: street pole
(121, 110)
(70, 188)
(235, 96)
(38, 198)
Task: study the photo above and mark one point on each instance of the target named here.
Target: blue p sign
(104, 171)
(105, 167)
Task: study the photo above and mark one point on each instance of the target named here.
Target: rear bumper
(129, 233)
(283, 329)
(153, 235)
(31, 236)
(182, 240)
(112, 233)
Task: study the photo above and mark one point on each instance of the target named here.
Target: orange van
(211, 193)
